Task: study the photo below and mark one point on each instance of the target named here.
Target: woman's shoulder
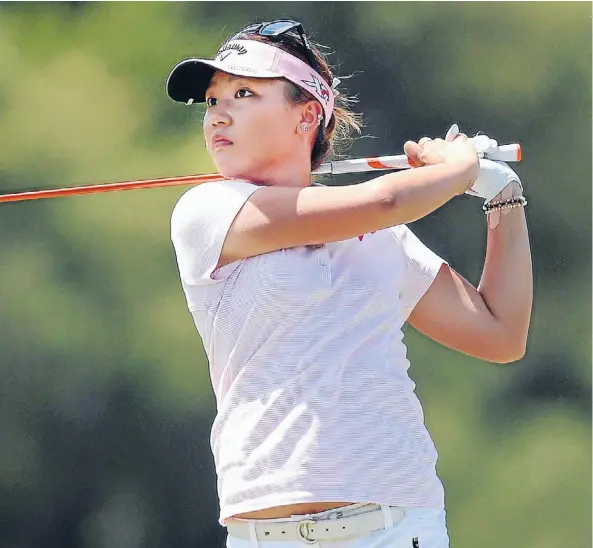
(213, 194)
(216, 187)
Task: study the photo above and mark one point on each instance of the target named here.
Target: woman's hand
(427, 152)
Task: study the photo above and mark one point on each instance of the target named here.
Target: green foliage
(105, 389)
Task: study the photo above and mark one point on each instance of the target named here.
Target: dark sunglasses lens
(277, 27)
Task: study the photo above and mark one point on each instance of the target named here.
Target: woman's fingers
(429, 151)
(413, 151)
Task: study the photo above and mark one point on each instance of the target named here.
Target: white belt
(311, 531)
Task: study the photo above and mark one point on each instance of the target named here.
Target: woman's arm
(491, 321)
(276, 217)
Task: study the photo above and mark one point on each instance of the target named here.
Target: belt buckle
(304, 530)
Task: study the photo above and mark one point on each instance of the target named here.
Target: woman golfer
(300, 291)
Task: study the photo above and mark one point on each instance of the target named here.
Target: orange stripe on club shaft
(110, 187)
(375, 163)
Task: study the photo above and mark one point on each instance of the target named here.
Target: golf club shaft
(507, 153)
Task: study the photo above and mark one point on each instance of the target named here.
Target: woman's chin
(232, 171)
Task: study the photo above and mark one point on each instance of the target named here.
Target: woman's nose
(219, 116)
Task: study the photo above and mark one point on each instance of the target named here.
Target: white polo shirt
(307, 362)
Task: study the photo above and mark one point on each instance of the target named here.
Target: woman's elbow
(510, 358)
(510, 352)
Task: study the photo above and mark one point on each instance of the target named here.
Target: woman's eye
(243, 92)
(211, 101)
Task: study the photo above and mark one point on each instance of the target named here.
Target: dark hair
(343, 120)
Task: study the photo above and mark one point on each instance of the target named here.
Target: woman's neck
(294, 173)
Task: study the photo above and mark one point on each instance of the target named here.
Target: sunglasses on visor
(279, 27)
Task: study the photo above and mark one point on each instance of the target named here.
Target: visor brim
(190, 78)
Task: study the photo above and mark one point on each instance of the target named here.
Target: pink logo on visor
(316, 84)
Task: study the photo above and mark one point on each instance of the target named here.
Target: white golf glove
(493, 175)
(492, 178)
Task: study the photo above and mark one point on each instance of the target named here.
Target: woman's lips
(221, 142)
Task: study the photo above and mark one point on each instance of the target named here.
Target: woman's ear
(311, 114)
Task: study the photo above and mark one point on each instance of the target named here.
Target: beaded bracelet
(518, 201)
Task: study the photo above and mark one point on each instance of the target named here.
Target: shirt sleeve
(200, 222)
(421, 265)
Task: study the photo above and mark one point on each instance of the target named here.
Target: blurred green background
(105, 398)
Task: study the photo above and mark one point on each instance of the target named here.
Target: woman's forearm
(414, 193)
(507, 282)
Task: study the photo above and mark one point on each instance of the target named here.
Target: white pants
(427, 525)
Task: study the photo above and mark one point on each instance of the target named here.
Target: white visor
(190, 78)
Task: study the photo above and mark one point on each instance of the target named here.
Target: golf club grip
(506, 153)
